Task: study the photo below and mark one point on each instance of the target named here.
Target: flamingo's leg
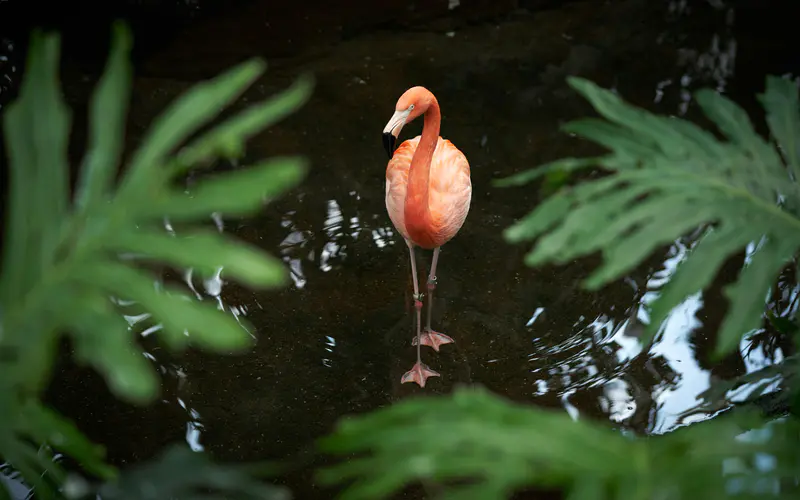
(430, 337)
(419, 373)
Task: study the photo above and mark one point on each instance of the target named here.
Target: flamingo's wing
(397, 183)
(450, 190)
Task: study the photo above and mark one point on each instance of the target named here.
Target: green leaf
(59, 269)
(559, 166)
(588, 488)
(236, 193)
(734, 123)
(614, 137)
(227, 138)
(643, 131)
(36, 132)
(207, 251)
(670, 177)
(477, 445)
(556, 207)
(625, 253)
(183, 317)
(47, 426)
(695, 273)
(748, 295)
(107, 111)
(783, 116)
(181, 119)
(103, 339)
(178, 472)
(36, 466)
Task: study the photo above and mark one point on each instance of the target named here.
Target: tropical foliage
(665, 177)
(70, 261)
(669, 176)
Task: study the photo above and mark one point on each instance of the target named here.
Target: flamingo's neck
(417, 212)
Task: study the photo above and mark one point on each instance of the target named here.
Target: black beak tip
(388, 143)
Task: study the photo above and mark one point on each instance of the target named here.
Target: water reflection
(193, 426)
(605, 352)
(710, 63)
(327, 248)
(8, 70)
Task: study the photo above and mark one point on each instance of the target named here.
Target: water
(337, 340)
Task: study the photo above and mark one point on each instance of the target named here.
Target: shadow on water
(338, 339)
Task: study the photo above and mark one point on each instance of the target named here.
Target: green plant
(669, 176)
(66, 257)
(478, 446)
(665, 177)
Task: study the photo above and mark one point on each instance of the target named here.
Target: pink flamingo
(428, 192)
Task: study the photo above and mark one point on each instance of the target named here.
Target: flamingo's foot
(433, 339)
(419, 373)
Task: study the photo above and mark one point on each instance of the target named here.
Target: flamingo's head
(413, 103)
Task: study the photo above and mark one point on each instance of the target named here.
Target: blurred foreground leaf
(67, 265)
(669, 177)
(180, 474)
(478, 446)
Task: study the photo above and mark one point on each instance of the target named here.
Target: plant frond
(37, 132)
(178, 472)
(477, 445)
(64, 262)
(668, 177)
(783, 116)
(107, 113)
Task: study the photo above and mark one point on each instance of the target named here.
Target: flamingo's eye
(411, 107)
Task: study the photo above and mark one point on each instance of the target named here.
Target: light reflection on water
(298, 246)
(674, 396)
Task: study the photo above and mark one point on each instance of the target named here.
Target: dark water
(338, 339)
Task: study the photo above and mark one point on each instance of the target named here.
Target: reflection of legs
(419, 372)
(429, 337)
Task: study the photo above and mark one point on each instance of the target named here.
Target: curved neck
(417, 212)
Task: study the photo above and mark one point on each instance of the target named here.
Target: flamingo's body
(449, 195)
(428, 194)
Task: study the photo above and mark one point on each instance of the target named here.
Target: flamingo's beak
(392, 130)
(388, 143)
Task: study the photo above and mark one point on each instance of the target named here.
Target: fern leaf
(476, 445)
(183, 318)
(696, 273)
(227, 138)
(555, 208)
(564, 165)
(747, 297)
(207, 252)
(179, 472)
(623, 254)
(188, 113)
(36, 128)
(735, 124)
(783, 116)
(622, 141)
(235, 193)
(669, 177)
(103, 340)
(36, 466)
(48, 427)
(645, 129)
(63, 263)
(107, 114)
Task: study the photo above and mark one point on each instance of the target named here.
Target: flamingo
(428, 193)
